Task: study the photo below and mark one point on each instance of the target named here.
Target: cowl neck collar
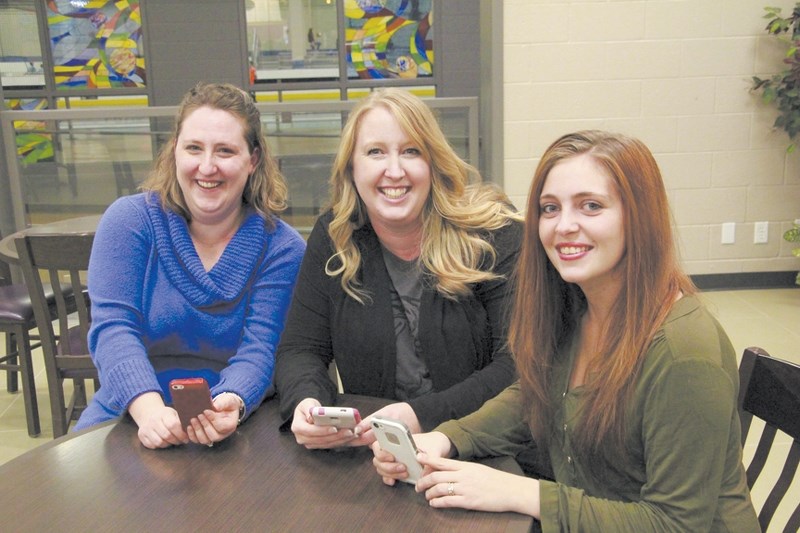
(227, 280)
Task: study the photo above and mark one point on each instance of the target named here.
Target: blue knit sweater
(157, 314)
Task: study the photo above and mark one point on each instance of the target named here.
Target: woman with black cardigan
(406, 281)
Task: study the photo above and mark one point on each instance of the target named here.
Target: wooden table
(70, 226)
(259, 479)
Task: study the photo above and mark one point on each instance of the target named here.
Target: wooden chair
(770, 390)
(64, 258)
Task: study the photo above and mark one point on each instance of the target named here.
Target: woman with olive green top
(682, 414)
(625, 379)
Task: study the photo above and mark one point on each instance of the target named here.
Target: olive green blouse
(684, 470)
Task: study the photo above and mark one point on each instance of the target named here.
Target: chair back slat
(793, 524)
(756, 466)
(770, 390)
(53, 275)
(781, 486)
(65, 261)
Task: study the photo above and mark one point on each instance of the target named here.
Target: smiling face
(213, 162)
(390, 174)
(581, 224)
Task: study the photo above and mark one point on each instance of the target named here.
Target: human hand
(215, 425)
(159, 425)
(435, 444)
(312, 436)
(397, 411)
(452, 483)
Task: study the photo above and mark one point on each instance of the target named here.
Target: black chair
(65, 260)
(16, 323)
(770, 390)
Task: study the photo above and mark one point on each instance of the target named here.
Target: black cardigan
(463, 342)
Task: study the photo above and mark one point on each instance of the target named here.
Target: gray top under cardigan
(463, 342)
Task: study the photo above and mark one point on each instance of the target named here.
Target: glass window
(20, 51)
(291, 40)
(389, 38)
(96, 45)
(92, 162)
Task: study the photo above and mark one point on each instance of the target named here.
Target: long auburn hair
(455, 218)
(547, 310)
(266, 190)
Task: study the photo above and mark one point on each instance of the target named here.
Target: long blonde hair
(266, 189)
(456, 215)
(547, 309)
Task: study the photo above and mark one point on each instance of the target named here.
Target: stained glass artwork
(389, 38)
(32, 145)
(96, 44)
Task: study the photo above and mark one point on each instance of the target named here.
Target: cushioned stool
(16, 322)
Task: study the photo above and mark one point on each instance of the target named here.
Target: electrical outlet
(761, 233)
(728, 233)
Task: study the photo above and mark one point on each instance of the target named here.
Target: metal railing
(71, 176)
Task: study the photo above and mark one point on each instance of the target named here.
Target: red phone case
(190, 397)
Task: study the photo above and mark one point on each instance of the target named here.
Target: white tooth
(394, 193)
(571, 250)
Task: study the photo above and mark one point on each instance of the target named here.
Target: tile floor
(767, 318)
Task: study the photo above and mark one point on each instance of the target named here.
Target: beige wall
(674, 73)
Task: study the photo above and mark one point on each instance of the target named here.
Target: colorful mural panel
(97, 44)
(389, 38)
(32, 146)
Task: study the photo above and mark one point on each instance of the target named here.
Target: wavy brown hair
(266, 189)
(547, 309)
(455, 219)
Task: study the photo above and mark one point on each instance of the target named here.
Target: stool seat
(15, 303)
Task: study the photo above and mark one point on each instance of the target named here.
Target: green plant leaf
(792, 235)
(783, 89)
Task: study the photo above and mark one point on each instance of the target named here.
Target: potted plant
(783, 89)
(793, 235)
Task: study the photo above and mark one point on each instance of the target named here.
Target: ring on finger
(451, 489)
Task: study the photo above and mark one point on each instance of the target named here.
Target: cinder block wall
(674, 73)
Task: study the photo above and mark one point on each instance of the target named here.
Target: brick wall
(676, 75)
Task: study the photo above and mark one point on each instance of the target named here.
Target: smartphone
(190, 397)
(395, 438)
(340, 417)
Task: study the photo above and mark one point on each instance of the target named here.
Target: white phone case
(395, 438)
(340, 417)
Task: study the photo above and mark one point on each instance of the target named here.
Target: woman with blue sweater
(193, 277)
